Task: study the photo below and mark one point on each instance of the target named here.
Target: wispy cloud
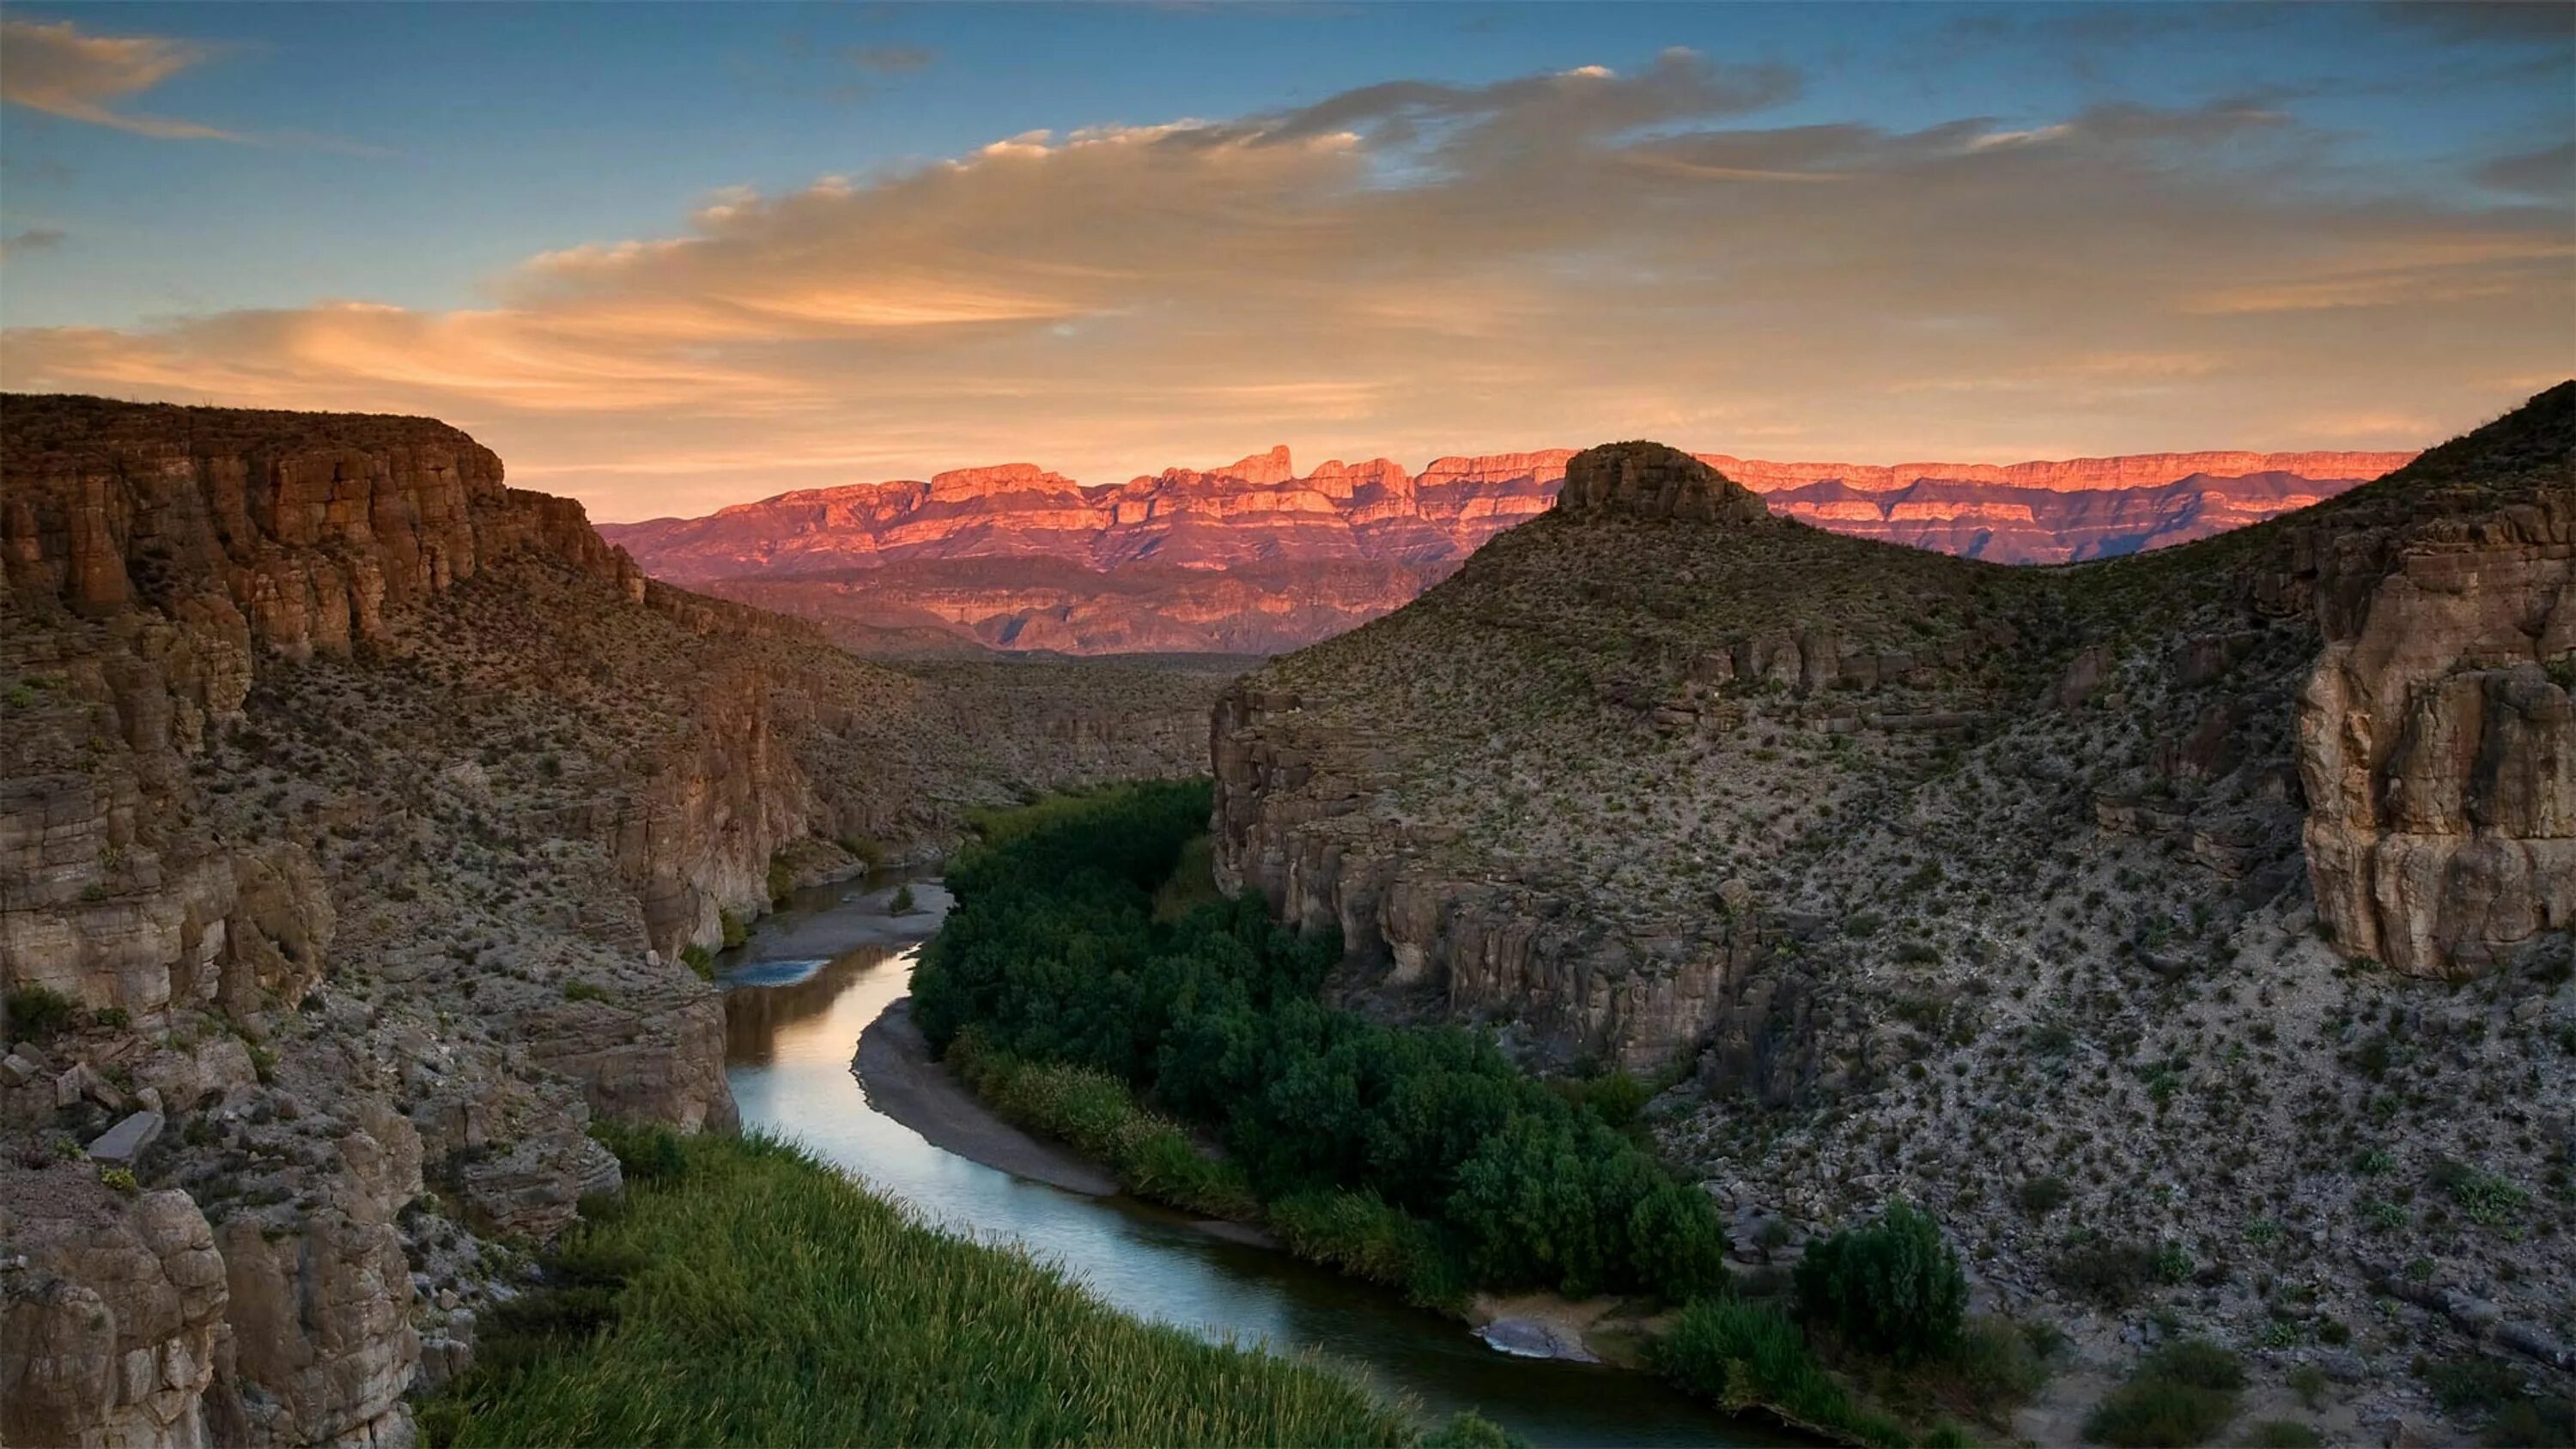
(58, 68)
(33, 239)
(888, 59)
(1416, 268)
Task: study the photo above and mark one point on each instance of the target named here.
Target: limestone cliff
(2436, 744)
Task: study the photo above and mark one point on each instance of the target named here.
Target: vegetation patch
(2182, 1394)
(1055, 955)
(36, 1013)
(1891, 1288)
(745, 1294)
(1742, 1355)
(1088, 989)
(1099, 1116)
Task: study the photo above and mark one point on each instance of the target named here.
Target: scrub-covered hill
(2188, 931)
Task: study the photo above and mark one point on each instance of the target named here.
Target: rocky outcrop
(2437, 740)
(1649, 480)
(113, 1314)
(1412, 923)
(1253, 557)
(163, 565)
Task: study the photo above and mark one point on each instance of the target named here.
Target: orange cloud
(1414, 269)
(59, 69)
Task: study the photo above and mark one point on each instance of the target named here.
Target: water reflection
(789, 992)
(789, 1047)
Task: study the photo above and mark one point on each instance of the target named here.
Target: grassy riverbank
(742, 1293)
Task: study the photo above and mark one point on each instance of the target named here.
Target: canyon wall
(1253, 556)
(2437, 743)
(2114, 909)
(2416, 639)
(362, 823)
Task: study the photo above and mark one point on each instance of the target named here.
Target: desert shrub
(586, 991)
(2282, 1434)
(901, 903)
(700, 960)
(1615, 1097)
(37, 1014)
(1998, 1363)
(782, 880)
(2533, 1420)
(2042, 1195)
(2182, 1394)
(731, 925)
(2484, 1197)
(1893, 1287)
(2473, 1384)
(2110, 1274)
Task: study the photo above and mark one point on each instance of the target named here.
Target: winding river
(812, 978)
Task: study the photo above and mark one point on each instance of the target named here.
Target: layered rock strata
(1253, 556)
(358, 813)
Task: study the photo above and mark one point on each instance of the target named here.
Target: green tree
(1893, 1287)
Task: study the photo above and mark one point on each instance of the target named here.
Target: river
(812, 978)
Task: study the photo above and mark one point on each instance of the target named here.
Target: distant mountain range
(1253, 557)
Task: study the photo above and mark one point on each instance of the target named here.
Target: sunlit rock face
(1254, 556)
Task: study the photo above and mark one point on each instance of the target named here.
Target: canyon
(366, 822)
(1254, 557)
(2203, 906)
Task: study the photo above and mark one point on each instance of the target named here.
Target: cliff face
(2436, 744)
(1662, 780)
(1253, 556)
(357, 810)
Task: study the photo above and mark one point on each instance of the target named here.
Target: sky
(669, 257)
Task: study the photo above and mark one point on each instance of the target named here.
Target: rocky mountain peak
(1649, 480)
(1266, 470)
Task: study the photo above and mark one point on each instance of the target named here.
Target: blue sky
(420, 156)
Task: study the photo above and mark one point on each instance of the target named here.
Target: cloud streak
(1415, 268)
(59, 69)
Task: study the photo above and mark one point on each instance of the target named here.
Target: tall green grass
(1099, 1117)
(745, 1294)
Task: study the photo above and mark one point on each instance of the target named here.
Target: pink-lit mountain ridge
(1254, 557)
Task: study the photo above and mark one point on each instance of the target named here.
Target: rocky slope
(1253, 556)
(2190, 930)
(358, 812)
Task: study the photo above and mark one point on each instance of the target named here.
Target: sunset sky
(669, 257)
